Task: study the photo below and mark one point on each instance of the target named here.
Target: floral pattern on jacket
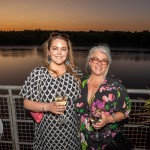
(111, 97)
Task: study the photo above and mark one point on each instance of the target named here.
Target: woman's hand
(102, 123)
(53, 107)
(118, 116)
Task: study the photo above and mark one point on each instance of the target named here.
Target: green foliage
(147, 106)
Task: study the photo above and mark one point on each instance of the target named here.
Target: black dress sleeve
(30, 89)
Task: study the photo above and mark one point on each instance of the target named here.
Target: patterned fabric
(111, 97)
(49, 134)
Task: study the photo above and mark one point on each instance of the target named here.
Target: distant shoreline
(79, 48)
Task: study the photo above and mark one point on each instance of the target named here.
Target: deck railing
(18, 126)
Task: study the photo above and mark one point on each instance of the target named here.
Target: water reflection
(131, 68)
(131, 56)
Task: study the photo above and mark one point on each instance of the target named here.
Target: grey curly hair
(103, 48)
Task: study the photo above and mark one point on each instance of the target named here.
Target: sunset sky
(75, 15)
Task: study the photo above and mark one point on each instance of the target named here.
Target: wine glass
(95, 118)
(61, 99)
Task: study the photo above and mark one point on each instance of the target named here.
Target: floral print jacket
(111, 97)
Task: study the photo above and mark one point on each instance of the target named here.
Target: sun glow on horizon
(96, 15)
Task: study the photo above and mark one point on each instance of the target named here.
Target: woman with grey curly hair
(103, 102)
(103, 48)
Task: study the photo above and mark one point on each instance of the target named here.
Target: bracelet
(114, 117)
(43, 107)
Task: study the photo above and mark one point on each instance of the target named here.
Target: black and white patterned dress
(49, 133)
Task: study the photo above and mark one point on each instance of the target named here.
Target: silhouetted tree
(78, 38)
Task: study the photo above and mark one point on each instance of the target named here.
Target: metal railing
(19, 127)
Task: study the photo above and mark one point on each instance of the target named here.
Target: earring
(48, 59)
(67, 62)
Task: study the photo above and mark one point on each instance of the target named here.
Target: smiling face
(58, 52)
(98, 63)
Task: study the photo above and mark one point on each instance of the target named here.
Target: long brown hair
(47, 45)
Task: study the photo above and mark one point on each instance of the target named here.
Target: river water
(16, 64)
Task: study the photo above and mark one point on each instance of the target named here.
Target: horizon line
(73, 30)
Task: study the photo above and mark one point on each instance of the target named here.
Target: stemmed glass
(96, 117)
(61, 99)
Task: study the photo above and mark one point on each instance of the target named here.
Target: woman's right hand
(101, 123)
(53, 107)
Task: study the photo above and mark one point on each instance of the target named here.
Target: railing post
(12, 114)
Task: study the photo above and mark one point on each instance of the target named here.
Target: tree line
(78, 38)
